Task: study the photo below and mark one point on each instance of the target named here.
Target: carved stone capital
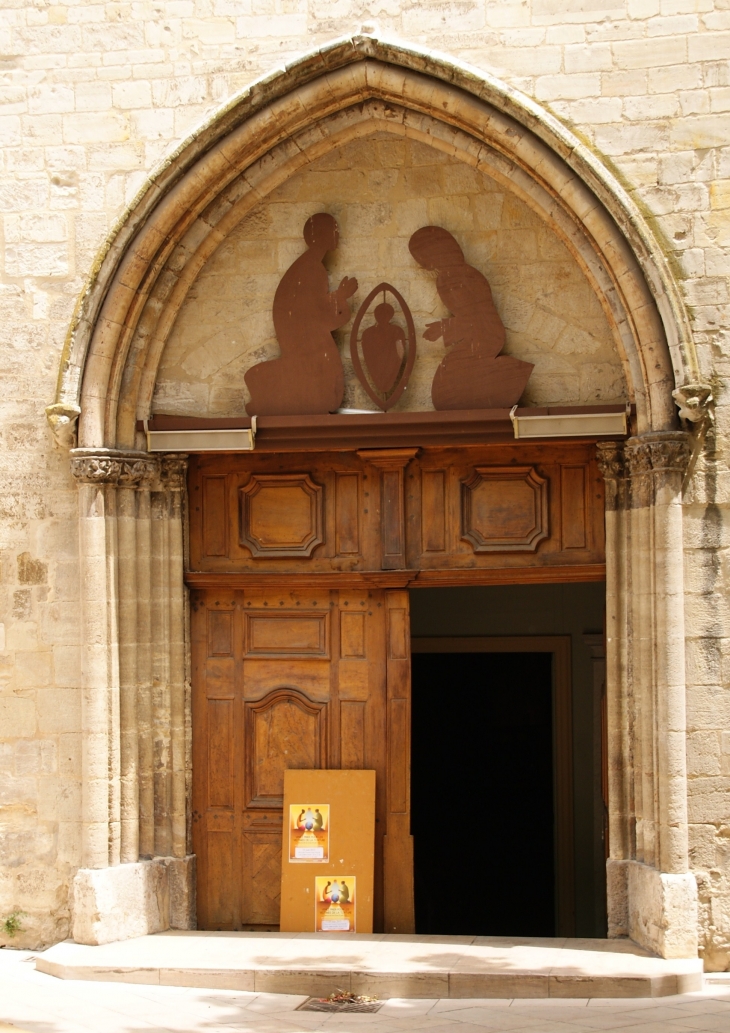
(612, 464)
(638, 458)
(652, 459)
(173, 472)
(695, 402)
(611, 461)
(669, 452)
(109, 466)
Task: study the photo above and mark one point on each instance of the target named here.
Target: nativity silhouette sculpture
(308, 378)
(472, 375)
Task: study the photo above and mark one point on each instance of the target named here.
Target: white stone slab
(397, 966)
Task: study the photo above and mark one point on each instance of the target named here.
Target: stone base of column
(662, 910)
(617, 897)
(130, 900)
(181, 884)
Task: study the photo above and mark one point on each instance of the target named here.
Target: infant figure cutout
(383, 354)
(383, 346)
(307, 379)
(473, 374)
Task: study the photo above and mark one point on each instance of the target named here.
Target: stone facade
(97, 100)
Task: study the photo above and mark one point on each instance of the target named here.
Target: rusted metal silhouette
(388, 351)
(384, 347)
(308, 378)
(472, 375)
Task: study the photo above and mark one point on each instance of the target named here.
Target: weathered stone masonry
(93, 97)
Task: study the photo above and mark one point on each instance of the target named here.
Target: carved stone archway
(131, 506)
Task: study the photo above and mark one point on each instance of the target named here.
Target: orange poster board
(318, 892)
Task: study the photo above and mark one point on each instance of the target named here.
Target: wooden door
(294, 679)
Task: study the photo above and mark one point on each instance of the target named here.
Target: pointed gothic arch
(279, 124)
(131, 505)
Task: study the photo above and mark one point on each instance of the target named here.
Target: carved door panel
(293, 679)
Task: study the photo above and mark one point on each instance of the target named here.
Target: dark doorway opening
(482, 794)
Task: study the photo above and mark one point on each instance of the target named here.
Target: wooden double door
(295, 678)
(299, 569)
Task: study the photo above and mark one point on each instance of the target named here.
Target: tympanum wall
(381, 190)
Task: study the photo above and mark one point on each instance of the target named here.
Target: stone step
(717, 978)
(382, 965)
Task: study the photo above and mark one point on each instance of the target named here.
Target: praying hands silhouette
(472, 375)
(308, 378)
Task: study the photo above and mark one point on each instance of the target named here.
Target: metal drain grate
(342, 1000)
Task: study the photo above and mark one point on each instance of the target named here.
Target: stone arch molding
(265, 134)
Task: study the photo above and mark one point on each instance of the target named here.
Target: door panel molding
(469, 510)
(281, 515)
(283, 730)
(286, 633)
(504, 509)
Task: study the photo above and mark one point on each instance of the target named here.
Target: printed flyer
(309, 833)
(334, 903)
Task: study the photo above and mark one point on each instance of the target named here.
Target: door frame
(560, 646)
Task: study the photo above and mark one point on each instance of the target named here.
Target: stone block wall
(93, 95)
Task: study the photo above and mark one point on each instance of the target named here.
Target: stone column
(129, 745)
(174, 470)
(621, 822)
(144, 673)
(652, 896)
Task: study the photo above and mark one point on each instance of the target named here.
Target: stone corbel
(697, 408)
(62, 419)
(695, 403)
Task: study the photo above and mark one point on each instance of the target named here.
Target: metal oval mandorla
(388, 352)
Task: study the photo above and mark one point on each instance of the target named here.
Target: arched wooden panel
(284, 730)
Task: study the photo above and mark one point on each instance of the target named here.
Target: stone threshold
(386, 966)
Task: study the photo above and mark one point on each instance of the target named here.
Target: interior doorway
(507, 760)
(482, 804)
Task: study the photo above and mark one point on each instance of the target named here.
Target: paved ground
(32, 1001)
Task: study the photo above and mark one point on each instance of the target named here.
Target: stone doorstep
(379, 965)
(717, 978)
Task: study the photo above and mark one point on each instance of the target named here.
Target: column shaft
(144, 676)
(129, 729)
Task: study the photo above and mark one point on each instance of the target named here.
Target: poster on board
(309, 833)
(335, 904)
